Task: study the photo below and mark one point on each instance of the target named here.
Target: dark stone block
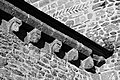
(21, 15)
(6, 7)
(88, 50)
(32, 21)
(59, 36)
(39, 26)
(47, 29)
(84, 51)
(73, 44)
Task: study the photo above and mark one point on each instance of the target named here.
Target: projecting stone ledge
(42, 17)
